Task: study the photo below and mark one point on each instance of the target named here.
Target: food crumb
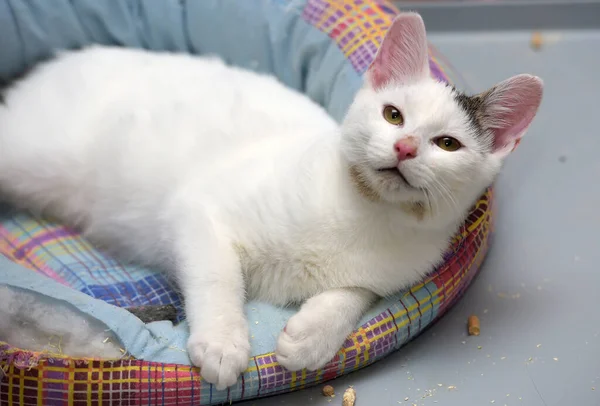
(479, 347)
(555, 359)
(328, 391)
(349, 397)
(492, 401)
(451, 387)
(539, 345)
(440, 385)
(406, 399)
(593, 388)
(485, 311)
(502, 358)
(536, 41)
(473, 326)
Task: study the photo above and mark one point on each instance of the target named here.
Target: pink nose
(406, 148)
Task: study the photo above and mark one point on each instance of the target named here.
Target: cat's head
(417, 142)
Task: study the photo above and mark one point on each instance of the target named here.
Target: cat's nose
(406, 148)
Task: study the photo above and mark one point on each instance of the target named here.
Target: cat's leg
(213, 287)
(316, 333)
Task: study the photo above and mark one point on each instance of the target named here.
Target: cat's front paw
(308, 341)
(221, 355)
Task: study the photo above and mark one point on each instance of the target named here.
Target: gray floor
(538, 295)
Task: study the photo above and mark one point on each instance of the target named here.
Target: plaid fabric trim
(44, 379)
(358, 28)
(28, 378)
(62, 254)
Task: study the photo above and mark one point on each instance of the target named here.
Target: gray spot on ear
(474, 108)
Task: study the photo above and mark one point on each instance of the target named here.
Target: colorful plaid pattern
(28, 378)
(45, 379)
(358, 27)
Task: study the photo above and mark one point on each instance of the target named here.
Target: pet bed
(321, 47)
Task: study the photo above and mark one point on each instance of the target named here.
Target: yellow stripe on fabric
(89, 383)
(371, 34)
(352, 46)
(357, 348)
(293, 381)
(21, 387)
(10, 384)
(40, 382)
(129, 380)
(111, 369)
(319, 375)
(101, 380)
(71, 383)
(367, 344)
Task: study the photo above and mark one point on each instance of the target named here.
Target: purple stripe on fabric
(436, 71)
(41, 239)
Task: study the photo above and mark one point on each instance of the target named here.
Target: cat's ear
(402, 57)
(509, 108)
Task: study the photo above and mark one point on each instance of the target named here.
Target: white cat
(248, 189)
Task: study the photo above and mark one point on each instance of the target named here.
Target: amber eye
(393, 115)
(448, 143)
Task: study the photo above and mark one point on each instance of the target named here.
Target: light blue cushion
(265, 35)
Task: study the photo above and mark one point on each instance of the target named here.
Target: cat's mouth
(394, 171)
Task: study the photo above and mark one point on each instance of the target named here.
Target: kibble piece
(349, 397)
(473, 326)
(537, 40)
(328, 390)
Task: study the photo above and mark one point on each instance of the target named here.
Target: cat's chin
(387, 185)
(394, 174)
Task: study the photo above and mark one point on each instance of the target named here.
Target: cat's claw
(221, 357)
(308, 342)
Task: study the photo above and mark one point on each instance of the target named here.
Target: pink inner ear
(511, 107)
(402, 57)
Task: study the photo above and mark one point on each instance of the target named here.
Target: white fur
(241, 186)
(29, 323)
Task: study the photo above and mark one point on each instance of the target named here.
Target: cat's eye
(448, 143)
(392, 115)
